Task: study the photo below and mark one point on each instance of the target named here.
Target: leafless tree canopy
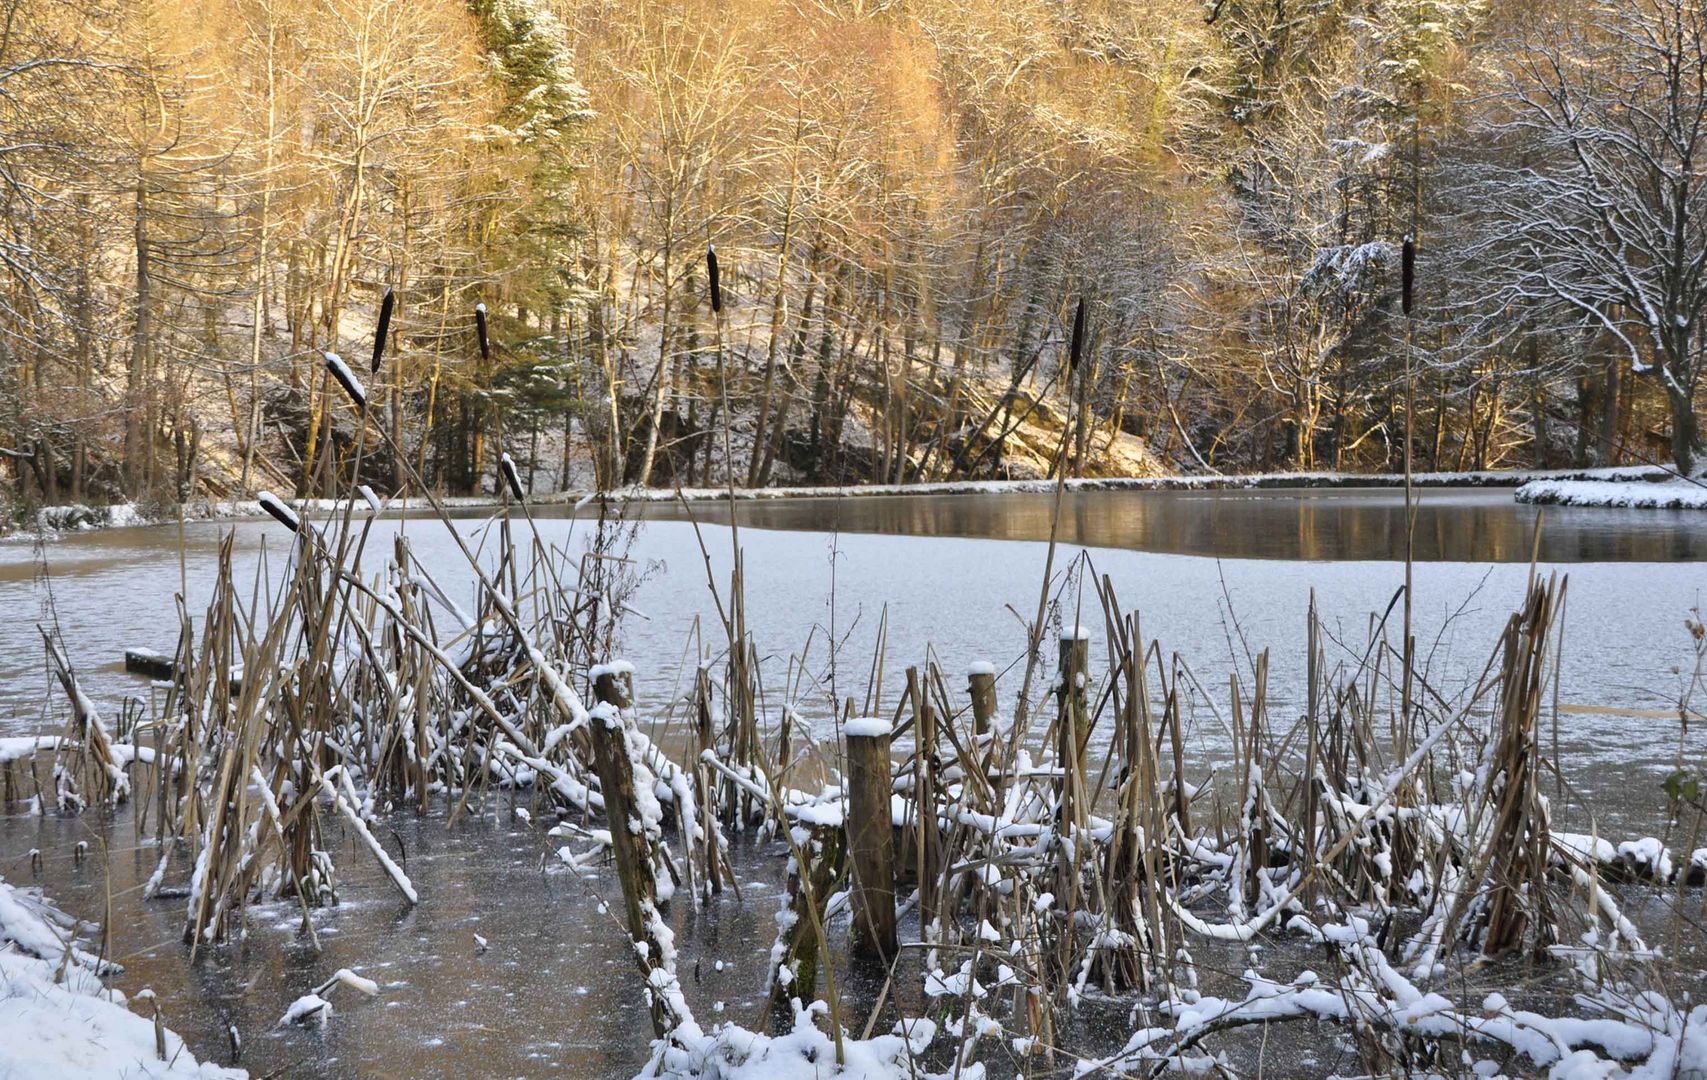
(908, 200)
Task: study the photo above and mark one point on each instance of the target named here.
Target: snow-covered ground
(1676, 494)
(57, 1018)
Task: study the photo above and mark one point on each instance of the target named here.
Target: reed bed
(1016, 866)
(995, 870)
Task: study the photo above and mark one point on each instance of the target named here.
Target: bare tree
(1596, 199)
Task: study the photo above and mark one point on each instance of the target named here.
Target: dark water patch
(553, 991)
(1299, 524)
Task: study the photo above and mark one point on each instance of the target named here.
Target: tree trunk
(1685, 431)
(136, 411)
(1610, 407)
(661, 374)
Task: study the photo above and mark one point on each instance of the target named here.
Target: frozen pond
(823, 570)
(1296, 524)
(555, 992)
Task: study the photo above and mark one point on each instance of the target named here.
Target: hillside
(908, 202)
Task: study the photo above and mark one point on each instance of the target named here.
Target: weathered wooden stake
(824, 850)
(870, 827)
(928, 843)
(981, 685)
(612, 687)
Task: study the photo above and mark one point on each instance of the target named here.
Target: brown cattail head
(347, 379)
(379, 334)
(716, 282)
(1076, 351)
(508, 468)
(480, 329)
(279, 512)
(1407, 273)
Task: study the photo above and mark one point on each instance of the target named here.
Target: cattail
(1407, 273)
(480, 329)
(385, 307)
(1077, 350)
(370, 498)
(716, 282)
(280, 513)
(347, 379)
(508, 468)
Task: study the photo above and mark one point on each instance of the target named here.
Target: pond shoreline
(80, 517)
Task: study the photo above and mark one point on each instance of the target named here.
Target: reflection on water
(553, 992)
(1454, 525)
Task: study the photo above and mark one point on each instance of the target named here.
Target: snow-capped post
(383, 329)
(613, 685)
(1072, 726)
(796, 956)
(613, 689)
(1072, 721)
(981, 685)
(508, 467)
(480, 331)
(871, 829)
(347, 379)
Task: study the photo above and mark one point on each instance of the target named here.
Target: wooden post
(612, 687)
(1073, 723)
(824, 850)
(981, 684)
(1070, 813)
(870, 827)
(928, 843)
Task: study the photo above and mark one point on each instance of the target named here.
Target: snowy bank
(1666, 495)
(1247, 482)
(1252, 481)
(58, 1019)
(79, 517)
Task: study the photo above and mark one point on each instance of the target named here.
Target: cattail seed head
(716, 282)
(347, 379)
(508, 468)
(384, 328)
(1076, 351)
(480, 329)
(1407, 273)
(275, 507)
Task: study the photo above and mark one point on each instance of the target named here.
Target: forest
(908, 201)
